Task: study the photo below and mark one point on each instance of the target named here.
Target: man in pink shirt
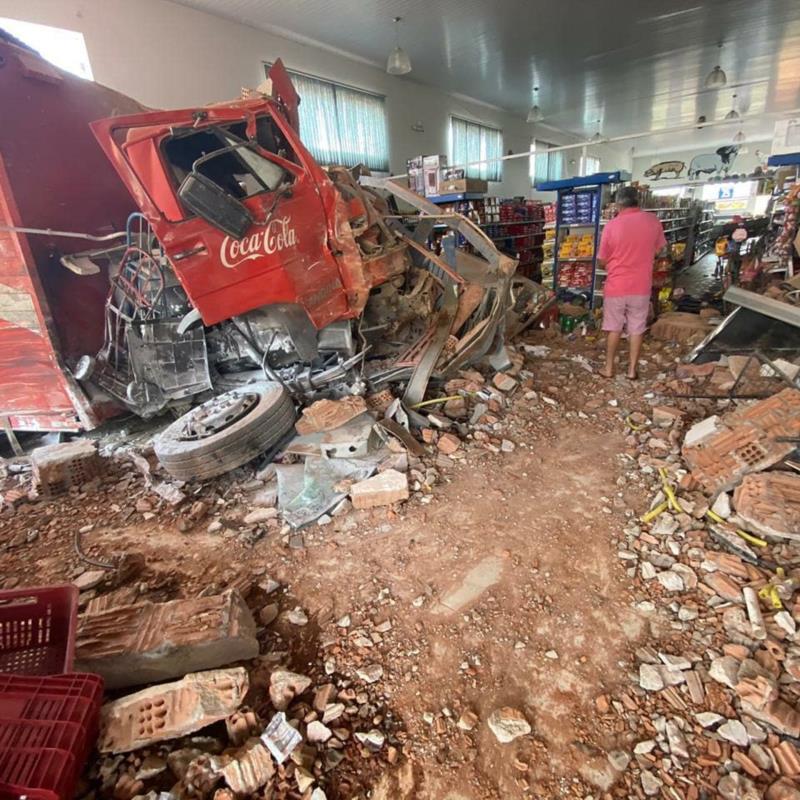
(628, 245)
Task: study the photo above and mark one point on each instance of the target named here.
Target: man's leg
(635, 341)
(613, 321)
(612, 343)
(638, 308)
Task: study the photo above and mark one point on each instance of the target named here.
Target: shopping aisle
(698, 279)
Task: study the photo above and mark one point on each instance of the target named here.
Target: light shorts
(628, 312)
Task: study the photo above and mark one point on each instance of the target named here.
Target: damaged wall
(166, 55)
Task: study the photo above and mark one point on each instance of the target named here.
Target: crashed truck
(200, 261)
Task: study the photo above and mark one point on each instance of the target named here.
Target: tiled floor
(698, 279)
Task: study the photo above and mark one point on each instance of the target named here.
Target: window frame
(492, 168)
(311, 146)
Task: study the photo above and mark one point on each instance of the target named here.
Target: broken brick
(783, 789)
(779, 715)
(383, 489)
(150, 642)
(665, 416)
(770, 503)
(251, 768)
(504, 382)
(448, 443)
(171, 710)
(326, 415)
(744, 441)
(679, 326)
(787, 758)
(58, 467)
(724, 586)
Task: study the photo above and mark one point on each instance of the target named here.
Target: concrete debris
(733, 731)
(150, 642)
(171, 710)
(508, 724)
(371, 673)
(284, 686)
(383, 489)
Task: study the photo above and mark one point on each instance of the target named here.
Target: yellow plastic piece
(748, 537)
(436, 400)
(669, 491)
(654, 512)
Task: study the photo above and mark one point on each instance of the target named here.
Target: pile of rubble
(266, 729)
(714, 708)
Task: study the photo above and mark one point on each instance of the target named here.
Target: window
(230, 162)
(342, 125)
(590, 165)
(470, 141)
(63, 48)
(544, 165)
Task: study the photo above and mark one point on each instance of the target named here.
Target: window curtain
(340, 125)
(544, 165)
(470, 142)
(590, 166)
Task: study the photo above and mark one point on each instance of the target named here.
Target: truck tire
(225, 432)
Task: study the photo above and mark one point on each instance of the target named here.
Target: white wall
(166, 55)
(745, 162)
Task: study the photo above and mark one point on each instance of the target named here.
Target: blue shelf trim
(620, 176)
(454, 198)
(784, 160)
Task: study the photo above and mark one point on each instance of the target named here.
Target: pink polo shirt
(628, 245)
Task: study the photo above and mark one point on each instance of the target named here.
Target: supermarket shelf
(454, 198)
(502, 238)
(578, 258)
(512, 222)
(678, 228)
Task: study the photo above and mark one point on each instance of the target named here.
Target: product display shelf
(579, 206)
(516, 226)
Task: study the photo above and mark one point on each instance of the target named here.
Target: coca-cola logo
(276, 236)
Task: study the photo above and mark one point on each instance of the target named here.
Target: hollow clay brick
(151, 642)
(171, 709)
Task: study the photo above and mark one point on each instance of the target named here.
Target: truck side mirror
(200, 195)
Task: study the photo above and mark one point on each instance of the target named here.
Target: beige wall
(166, 55)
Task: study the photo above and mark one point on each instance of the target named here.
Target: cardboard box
(460, 185)
(440, 162)
(431, 177)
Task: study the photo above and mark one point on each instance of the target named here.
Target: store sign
(731, 205)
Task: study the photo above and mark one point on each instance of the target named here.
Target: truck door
(282, 256)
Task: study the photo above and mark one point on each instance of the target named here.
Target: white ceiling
(625, 66)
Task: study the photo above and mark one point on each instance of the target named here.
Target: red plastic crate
(47, 728)
(37, 629)
(40, 770)
(56, 700)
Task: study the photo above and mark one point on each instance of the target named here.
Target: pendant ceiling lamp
(398, 62)
(739, 138)
(716, 79)
(535, 114)
(733, 113)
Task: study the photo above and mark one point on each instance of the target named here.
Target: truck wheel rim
(216, 415)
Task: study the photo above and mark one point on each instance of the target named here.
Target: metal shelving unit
(525, 243)
(591, 191)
